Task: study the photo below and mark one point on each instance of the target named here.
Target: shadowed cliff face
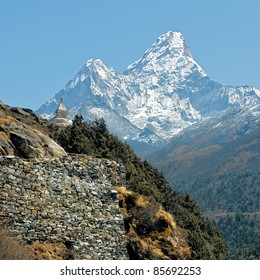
(23, 133)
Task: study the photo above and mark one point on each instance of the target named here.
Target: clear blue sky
(44, 43)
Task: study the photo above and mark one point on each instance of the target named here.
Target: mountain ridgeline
(157, 96)
(203, 135)
(70, 204)
(93, 138)
(217, 162)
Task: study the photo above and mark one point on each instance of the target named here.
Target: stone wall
(67, 200)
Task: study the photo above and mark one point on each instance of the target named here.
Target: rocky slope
(65, 207)
(23, 133)
(67, 200)
(141, 178)
(156, 97)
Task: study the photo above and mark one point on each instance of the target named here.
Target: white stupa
(61, 116)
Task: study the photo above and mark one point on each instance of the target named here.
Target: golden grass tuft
(141, 201)
(123, 191)
(166, 216)
(51, 251)
(151, 232)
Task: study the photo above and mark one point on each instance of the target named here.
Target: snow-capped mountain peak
(157, 96)
(96, 64)
(92, 69)
(172, 41)
(257, 92)
(169, 54)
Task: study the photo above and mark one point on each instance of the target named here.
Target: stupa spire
(61, 116)
(61, 111)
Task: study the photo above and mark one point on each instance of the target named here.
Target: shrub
(94, 139)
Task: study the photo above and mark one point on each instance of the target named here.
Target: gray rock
(59, 209)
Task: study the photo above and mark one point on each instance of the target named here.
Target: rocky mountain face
(156, 97)
(23, 133)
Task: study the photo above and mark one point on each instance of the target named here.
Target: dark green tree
(95, 139)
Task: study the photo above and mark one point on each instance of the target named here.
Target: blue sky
(44, 43)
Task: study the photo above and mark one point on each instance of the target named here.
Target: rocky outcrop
(22, 134)
(24, 115)
(68, 200)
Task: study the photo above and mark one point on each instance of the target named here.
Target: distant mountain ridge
(209, 148)
(156, 97)
(206, 134)
(217, 162)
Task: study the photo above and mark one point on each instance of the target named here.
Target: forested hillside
(244, 240)
(94, 139)
(217, 162)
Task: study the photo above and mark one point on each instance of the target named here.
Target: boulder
(18, 137)
(33, 143)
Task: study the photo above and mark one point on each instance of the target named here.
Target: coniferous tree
(95, 139)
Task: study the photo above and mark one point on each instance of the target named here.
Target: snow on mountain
(217, 147)
(168, 55)
(157, 96)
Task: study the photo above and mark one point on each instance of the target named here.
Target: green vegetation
(220, 170)
(230, 192)
(94, 139)
(241, 232)
(248, 254)
(233, 201)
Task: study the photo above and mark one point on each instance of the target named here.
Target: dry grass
(141, 201)
(123, 191)
(167, 217)
(12, 249)
(6, 120)
(51, 251)
(151, 232)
